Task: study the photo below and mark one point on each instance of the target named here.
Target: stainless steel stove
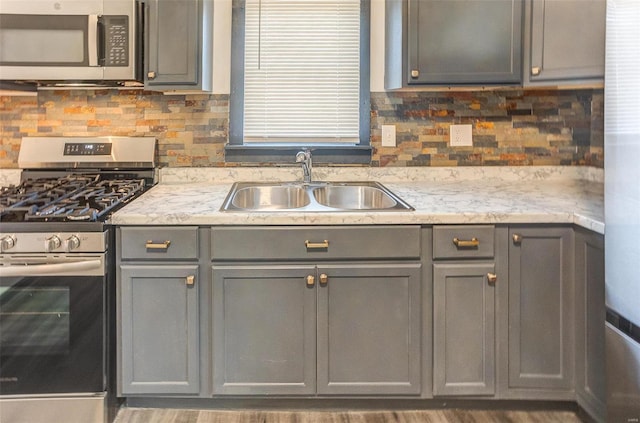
(57, 286)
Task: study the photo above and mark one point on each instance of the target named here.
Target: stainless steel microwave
(71, 41)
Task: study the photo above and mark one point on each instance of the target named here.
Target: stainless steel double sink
(312, 197)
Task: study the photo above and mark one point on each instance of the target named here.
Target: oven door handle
(50, 269)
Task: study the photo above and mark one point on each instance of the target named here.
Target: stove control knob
(7, 242)
(52, 243)
(73, 242)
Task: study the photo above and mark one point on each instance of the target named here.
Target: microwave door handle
(49, 269)
(92, 40)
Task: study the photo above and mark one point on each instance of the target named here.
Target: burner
(72, 197)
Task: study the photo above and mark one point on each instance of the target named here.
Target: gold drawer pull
(158, 245)
(316, 245)
(472, 243)
(492, 278)
(191, 279)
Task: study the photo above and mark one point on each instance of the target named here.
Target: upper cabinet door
(565, 41)
(178, 44)
(464, 41)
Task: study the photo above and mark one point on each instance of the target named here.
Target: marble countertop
(440, 196)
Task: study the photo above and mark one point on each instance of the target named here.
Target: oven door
(52, 324)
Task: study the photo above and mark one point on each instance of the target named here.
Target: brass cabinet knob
(492, 278)
(517, 239)
(191, 280)
(310, 280)
(324, 278)
(151, 75)
(415, 73)
(535, 71)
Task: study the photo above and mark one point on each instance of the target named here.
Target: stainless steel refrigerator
(622, 210)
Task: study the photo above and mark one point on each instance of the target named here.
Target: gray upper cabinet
(590, 317)
(541, 323)
(178, 50)
(369, 329)
(159, 329)
(453, 42)
(564, 41)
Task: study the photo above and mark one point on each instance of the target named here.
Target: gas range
(57, 274)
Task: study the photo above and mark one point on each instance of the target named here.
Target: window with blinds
(302, 71)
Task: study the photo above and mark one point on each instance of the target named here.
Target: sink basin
(274, 197)
(354, 197)
(312, 197)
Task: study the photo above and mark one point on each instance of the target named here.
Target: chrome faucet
(304, 158)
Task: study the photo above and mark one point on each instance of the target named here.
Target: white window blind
(302, 71)
(622, 75)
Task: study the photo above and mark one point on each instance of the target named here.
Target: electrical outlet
(460, 136)
(388, 135)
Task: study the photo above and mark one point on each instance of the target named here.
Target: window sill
(278, 153)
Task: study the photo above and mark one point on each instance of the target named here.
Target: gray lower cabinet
(590, 317)
(369, 329)
(264, 326)
(541, 310)
(347, 328)
(564, 41)
(464, 355)
(159, 329)
(464, 310)
(178, 44)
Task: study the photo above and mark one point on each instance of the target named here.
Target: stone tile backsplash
(510, 127)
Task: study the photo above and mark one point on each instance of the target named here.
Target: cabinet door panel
(590, 332)
(541, 308)
(464, 41)
(369, 329)
(159, 330)
(567, 40)
(264, 321)
(172, 42)
(464, 329)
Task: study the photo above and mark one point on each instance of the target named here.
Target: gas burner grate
(69, 198)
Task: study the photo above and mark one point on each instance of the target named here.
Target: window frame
(237, 151)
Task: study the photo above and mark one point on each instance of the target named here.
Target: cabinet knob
(517, 239)
(191, 280)
(492, 278)
(151, 75)
(415, 73)
(535, 71)
(324, 278)
(310, 280)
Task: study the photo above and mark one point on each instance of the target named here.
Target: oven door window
(51, 334)
(35, 320)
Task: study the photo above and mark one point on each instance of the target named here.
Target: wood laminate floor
(154, 415)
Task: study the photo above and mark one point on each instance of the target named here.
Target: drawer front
(158, 242)
(464, 241)
(317, 242)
